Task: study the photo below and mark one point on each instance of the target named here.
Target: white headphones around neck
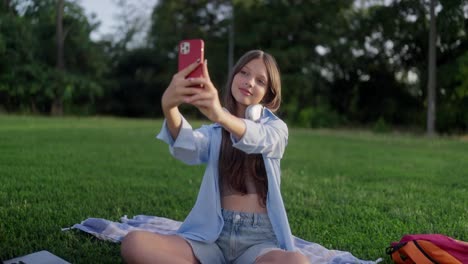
(254, 112)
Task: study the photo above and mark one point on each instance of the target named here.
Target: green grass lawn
(346, 190)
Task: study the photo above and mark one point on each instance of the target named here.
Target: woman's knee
(296, 257)
(131, 243)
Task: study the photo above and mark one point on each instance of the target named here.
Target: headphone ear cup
(254, 112)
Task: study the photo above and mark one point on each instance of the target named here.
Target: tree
(432, 74)
(138, 83)
(393, 38)
(293, 40)
(32, 67)
(340, 61)
(175, 20)
(6, 6)
(57, 107)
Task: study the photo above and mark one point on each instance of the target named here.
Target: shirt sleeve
(190, 146)
(268, 138)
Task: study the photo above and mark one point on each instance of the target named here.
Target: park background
(343, 63)
(358, 172)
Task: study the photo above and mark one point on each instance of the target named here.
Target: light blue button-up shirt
(268, 137)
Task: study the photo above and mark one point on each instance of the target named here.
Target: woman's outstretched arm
(175, 95)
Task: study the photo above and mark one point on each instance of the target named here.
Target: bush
(317, 117)
(380, 126)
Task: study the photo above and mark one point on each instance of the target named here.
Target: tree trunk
(432, 74)
(6, 6)
(34, 109)
(57, 106)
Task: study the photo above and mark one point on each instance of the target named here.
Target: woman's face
(250, 84)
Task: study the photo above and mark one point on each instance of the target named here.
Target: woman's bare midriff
(242, 203)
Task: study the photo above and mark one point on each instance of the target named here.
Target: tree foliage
(29, 79)
(342, 62)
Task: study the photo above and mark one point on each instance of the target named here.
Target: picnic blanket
(116, 231)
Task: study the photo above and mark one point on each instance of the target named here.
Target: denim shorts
(245, 237)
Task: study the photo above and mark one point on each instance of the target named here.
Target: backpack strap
(396, 257)
(412, 253)
(435, 252)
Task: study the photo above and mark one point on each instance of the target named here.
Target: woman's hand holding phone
(179, 89)
(206, 98)
(175, 95)
(190, 58)
(192, 84)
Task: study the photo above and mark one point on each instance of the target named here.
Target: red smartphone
(189, 51)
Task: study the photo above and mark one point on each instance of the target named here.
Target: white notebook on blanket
(40, 257)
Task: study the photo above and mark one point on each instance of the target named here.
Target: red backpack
(428, 249)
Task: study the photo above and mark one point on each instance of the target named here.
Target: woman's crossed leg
(146, 247)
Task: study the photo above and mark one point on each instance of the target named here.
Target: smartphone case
(189, 51)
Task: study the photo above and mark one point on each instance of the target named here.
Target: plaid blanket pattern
(115, 231)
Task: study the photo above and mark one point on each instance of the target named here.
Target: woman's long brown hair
(234, 164)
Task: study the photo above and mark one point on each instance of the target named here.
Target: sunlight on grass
(346, 190)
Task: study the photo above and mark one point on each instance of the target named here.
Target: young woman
(239, 215)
